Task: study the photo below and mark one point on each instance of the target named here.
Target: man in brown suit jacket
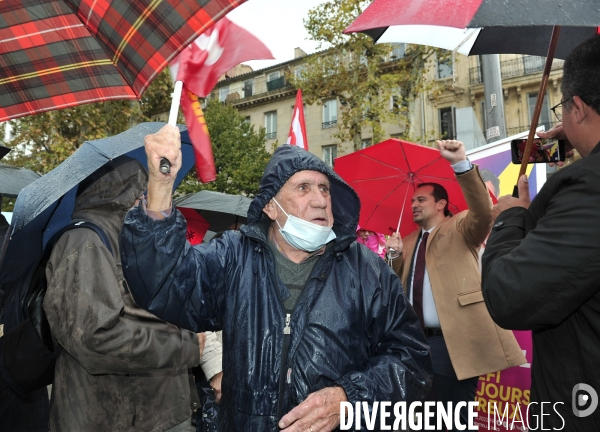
(464, 341)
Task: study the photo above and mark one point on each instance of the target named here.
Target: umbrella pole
(165, 165)
(538, 105)
(402, 212)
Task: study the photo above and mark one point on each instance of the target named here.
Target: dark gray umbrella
(222, 211)
(13, 179)
(46, 205)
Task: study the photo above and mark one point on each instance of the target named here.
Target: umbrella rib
(405, 158)
(382, 162)
(387, 196)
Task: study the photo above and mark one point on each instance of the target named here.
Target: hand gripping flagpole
(165, 165)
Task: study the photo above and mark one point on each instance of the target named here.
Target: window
(329, 113)
(223, 93)
(329, 154)
(444, 69)
(271, 124)
(275, 81)
(247, 119)
(366, 142)
(544, 119)
(395, 103)
(248, 88)
(447, 123)
(398, 51)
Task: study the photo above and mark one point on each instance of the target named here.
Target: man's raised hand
(451, 150)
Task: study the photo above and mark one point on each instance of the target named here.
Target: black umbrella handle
(165, 166)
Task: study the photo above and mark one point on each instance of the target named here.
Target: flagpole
(165, 165)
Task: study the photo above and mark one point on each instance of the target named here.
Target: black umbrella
(3, 151)
(46, 205)
(13, 179)
(222, 211)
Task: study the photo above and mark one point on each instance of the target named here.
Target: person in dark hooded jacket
(121, 368)
(310, 318)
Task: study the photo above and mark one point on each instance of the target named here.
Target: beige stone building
(266, 99)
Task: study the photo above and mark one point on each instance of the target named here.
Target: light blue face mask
(304, 235)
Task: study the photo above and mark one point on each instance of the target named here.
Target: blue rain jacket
(352, 325)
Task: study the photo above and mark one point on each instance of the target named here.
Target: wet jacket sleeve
(399, 368)
(88, 317)
(477, 222)
(541, 265)
(181, 284)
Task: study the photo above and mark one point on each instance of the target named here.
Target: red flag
(196, 123)
(199, 66)
(196, 225)
(213, 53)
(297, 134)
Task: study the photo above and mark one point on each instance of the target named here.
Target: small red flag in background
(199, 66)
(196, 225)
(297, 134)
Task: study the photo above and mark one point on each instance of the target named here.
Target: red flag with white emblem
(297, 134)
(199, 66)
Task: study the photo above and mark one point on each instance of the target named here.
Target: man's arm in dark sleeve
(535, 277)
(179, 283)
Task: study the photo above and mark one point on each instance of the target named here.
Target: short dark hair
(581, 74)
(487, 175)
(439, 192)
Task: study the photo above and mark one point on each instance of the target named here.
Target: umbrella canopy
(222, 211)
(13, 179)
(385, 177)
(62, 53)
(46, 205)
(477, 27)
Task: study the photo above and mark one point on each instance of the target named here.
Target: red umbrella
(385, 177)
(196, 225)
(62, 53)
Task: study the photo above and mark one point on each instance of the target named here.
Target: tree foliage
(362, 75)
(239, 152)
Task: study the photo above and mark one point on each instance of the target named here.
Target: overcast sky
(278, 24)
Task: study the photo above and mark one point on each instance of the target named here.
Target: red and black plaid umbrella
(56, 54)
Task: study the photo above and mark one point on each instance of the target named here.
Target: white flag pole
(165, 165)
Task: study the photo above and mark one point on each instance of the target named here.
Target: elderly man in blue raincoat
(310, 317)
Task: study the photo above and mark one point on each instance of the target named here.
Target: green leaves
(239, 152)
(373, 86)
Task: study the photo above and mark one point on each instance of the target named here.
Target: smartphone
(543, 151)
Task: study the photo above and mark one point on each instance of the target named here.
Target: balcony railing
(516, 130)
(271, 135)
(525, 65)
(328, 124)
(240, 90)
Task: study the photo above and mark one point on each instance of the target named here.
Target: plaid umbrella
(57, 54)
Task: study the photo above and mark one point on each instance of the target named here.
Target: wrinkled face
(424, 206)
(306, 196)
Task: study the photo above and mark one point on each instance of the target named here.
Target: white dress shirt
(430, 316)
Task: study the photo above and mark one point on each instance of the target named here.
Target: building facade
(454, 110)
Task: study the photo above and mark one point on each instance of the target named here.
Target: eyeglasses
(558, 115)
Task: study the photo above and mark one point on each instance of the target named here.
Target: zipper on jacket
(287, 330)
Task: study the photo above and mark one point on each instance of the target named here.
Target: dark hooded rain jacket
(352, 325)
(121, 368)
